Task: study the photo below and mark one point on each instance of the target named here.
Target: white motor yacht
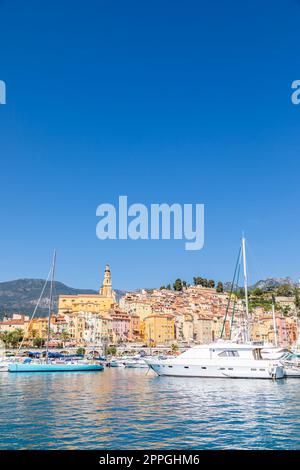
(136, 363)
(223, 359)
(114, 362)
(289, 360)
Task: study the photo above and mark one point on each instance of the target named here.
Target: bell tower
(106, 288)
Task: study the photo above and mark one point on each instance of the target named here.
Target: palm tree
(38, 342)
(16, 337)
(64, 336)
(5, 337)
(12, 338)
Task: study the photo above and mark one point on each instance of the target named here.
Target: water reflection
(133, 409)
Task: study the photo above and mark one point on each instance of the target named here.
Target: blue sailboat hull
(16, 367)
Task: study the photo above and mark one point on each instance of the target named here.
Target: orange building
(159, 328)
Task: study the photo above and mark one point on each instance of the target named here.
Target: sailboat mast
(274, 321)
(50, 302)
(246, 287)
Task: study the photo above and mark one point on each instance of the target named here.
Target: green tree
(198, 281)
(177, 286)
(80, 351)
(203, 282)
(174, 347)
(297, 299)
(285, 290)
(169, 287)
(16, 337)
(111, 351)
(12, 338)
(38, 342)
(5, 337)
(240, 293)
(64, 336)
(220, 287)
(286, 311)
(257, 292)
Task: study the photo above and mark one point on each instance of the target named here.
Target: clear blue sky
(164, 101)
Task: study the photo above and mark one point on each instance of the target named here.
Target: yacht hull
(218, 371)
(136, 366)
(115, 364)
(292, 371)
(54, 367)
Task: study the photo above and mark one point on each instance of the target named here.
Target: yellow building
(131, 305)
(38, 328)
(17, 322)
(76, 327)
(96, 303)
(159, 329)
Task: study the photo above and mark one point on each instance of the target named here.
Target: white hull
(246, 371)
(131, 365)
(3, 367)
(289, 360)
(222, 359)
(292, 371)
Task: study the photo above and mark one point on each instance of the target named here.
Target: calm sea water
(130, 409)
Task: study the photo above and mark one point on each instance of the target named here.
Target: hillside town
(184, 316)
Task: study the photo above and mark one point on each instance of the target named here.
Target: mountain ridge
(21, 295)
(268, 283)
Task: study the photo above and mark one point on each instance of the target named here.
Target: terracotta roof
(14, 322)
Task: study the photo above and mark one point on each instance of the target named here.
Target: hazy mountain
(269, 283)
(22, 295)
(266, 284)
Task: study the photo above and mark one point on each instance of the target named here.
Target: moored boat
(53, 367)
(222, 359)
(116, 363)
(136, 363)
(291, 370)
(50, 365)
(289, 360)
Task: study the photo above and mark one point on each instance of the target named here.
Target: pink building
(282, 332)
(121, 325)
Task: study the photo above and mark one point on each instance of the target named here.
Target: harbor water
(134, 409)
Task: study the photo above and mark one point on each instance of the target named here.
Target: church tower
(106, 289)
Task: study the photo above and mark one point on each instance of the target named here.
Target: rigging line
(231, 289)
(36, 307)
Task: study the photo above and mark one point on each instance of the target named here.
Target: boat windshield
(229, 353)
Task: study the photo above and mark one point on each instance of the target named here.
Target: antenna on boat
(50, 302)
(247, 338)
